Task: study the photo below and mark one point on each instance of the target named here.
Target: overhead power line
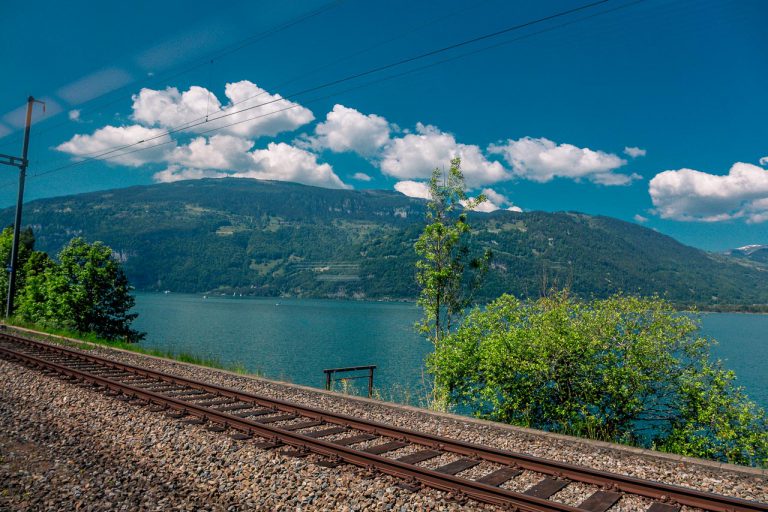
(234, 47)
(378, 69)
(104, 156)
(252, 39)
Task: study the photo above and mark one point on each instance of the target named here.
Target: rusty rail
(107, 374)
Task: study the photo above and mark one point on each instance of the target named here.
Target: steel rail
(471, 489)
(632, 485)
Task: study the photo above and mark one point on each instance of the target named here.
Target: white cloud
(486, 206)
(615, 179)
(413, 189)
(416, 154)
(346, 129)
(496, 201)
(690, 195)
(269, 113)
(222, 152)
(764, 160)
(640, 218)
(170, 108)
(107, 138)
(178, 173)
(542, 160)
(494, 196)
(634, 151)
(74, 115)
(281, 161)
(226, 156)
(361, 176)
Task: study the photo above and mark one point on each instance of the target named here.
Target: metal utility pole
(21, 163)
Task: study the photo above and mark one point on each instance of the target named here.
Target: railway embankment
(65, 446)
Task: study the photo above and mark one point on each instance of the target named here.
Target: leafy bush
(85, 291)
(621, 369)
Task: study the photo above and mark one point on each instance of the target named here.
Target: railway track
(299, 430)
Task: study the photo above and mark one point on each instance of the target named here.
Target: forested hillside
(284, 239)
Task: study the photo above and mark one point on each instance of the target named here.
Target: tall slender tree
(445, 271)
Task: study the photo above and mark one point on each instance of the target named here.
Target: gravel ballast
(68, 447)
(62, 443)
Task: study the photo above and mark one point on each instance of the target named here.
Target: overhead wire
(183, 126)
(221, 108)
(234, 47)
(104, 156)
(378, 69)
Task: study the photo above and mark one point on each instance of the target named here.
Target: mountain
(757, 253)
(284, 239)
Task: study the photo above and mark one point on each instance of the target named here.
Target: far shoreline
(755, 309)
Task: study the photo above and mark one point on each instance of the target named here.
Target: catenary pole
(19, 203)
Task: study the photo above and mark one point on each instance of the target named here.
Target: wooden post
(370, 381)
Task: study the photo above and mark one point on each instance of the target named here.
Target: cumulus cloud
(486, 206)
(494, 196)
(281, 161)
(347, 129)
(105, 139)
(266, 115)
(764, 160)
(420, 189)
(226, 156)
(690, 195)
(170, 108)
(634, 151)
(640, 218)
(179, 173)
(361, 176)
(496, 201)
(413, 189)
(222, 152)
(542, 160)
(74, 115)
(416, 154)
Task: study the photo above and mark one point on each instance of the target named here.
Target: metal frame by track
(107, 373)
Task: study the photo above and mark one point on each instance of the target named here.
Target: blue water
(294, 340)
(743, 347)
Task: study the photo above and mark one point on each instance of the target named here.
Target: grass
(86, 338)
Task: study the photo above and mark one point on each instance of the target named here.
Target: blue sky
(653, 112)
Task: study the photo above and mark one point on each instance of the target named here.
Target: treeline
(274, 238)
(84, 289)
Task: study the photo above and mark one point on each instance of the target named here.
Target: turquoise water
(743, 346)
(295, 340)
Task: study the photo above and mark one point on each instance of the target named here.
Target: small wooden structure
(330, 371)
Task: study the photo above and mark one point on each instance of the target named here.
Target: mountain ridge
(273, 238)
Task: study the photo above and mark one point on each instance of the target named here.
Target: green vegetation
(444, 255)
(294, 240)
(58, 335)
(621, 369)
(84, 291)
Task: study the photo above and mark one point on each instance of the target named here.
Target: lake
(295, 339)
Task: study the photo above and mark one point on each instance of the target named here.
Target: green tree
(86, 291)
(31, 299)
(445, 272)
(621, 369)
(26, 249)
